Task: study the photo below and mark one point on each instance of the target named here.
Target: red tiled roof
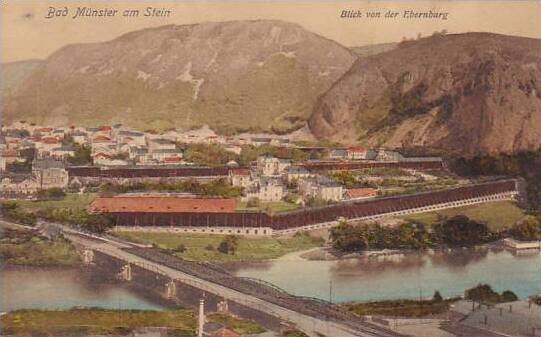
(44, 129)
(101, 139)
(101, 154)
(49, 140)
(240, 171)
(105, 128)
(362, 192)
(172, 159)
(356, 148)
(162, 204)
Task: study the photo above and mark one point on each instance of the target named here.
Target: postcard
(270, 168)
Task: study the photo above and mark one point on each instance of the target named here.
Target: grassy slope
(249, 249)
(72, 200)
(497, 215)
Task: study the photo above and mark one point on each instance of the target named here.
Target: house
(356, 153)
(266, 189)
(240, 177)
(19, 187)
(161, 144)
(361, 193)
(79, 137)
(105, 159)
(321, 187)
(46, 144)
(161, 154)
(9, 157)
(271, 166)
(62, 152)
(132, 138)
(388, 155)
(295, 173)
(337, 154)
(50, 173)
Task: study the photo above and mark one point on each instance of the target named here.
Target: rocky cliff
(474, 93)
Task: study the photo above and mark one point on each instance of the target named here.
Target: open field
(270, 207)
(243, 327)
(203, 247)
(401, 308)
(73, 201)
(497, 215)
(94, 322)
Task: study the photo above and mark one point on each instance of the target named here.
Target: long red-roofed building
(162, 204)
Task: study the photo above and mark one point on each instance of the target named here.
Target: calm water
(404, 276)
(32, 288)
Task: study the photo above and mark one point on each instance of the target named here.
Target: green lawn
(401, 308)
(94, 322)
(73, 201)
(198, 246)
(242, 327)
(270, 207)
(497, 215)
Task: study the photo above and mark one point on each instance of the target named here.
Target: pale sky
(27, 34)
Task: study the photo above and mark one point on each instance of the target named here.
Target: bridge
(314, 316)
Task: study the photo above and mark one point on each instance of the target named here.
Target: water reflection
(53, 288)
(403, 275)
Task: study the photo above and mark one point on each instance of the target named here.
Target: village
(38, 158)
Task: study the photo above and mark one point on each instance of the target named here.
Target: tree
(253, 202)
(461, 231)
(228, 245)
(82, 155)
(528, 229)
(437, 297)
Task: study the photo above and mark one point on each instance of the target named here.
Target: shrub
(528, 229)
(180, 249)
(253, 202)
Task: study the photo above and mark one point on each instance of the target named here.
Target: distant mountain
(233, 76)
(373, 49)
(12, 74)
(474, 93)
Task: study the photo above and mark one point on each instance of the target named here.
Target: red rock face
(469, 93)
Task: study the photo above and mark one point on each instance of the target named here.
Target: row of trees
(219, 187)
(456, 231)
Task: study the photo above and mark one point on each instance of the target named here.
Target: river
(56, 288)
(402, 276)
(362, 279)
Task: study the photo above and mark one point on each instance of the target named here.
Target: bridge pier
(88, 256)
(171, 289)
(125, 273)
(223, 307)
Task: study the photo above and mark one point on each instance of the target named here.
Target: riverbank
(96, 321)
(206, 247)
(19, 247)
